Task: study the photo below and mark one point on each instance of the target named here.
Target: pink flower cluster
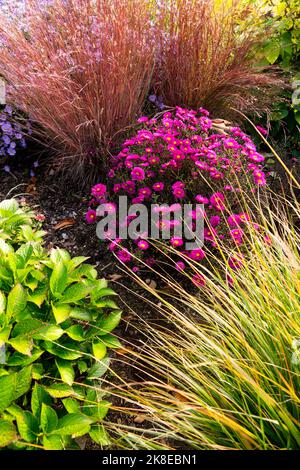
(180, 159)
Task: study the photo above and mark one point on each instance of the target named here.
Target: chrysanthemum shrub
(176, 159)
(81, 70)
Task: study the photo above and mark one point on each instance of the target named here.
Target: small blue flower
(6, 139)
(11, 152)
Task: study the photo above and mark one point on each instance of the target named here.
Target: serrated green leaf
(4, 335)
(111, 341)
(80, 314)
(7, 388)
(99, 369)
(72, 423)
(8, 433)
(71, 405)
(27, 327)
(82, 366)
(60, 390)
(68, 350)
(2, 302)
(16, 301)
(99, 350)
(50, 333)
(58, 254)
(28, 426)
(106, 303)
(85, 270)
(76, 332)
(105, 292)
(49, 419)
(23, 382)
(23, 254)
(13, 386)
(53, 442)
(77, 261)
(108, 323)
(77, 292)
(272, 51)
(18, 359)
(99, 435)
(38, 397)
(58, 279)
(97, 410)
(37, 371)
(39, 295)
(61, 312)
(22, 344)
(65, 370)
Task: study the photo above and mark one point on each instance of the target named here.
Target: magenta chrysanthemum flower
(201, 199)
(262, 130)
(199, 280)
(180, 266)
(170, 159)
(237, 233)
(234, 220)
(145, 192)
(244, 217)
(143, 245)
(124, 255)
(231, 144)
(179, 193)
(236, 262)
(197, 254)
(138, 174)
(153, 160)
(110, 207)
(99, 190)
(178, 184)
(217, 201)
(90, 216)
(176, 242)
(143, 119)
(259, 178)
(157, 187)
(114, 244)
(215, 220)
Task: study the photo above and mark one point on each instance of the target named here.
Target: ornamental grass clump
(81, 70)
(220, 369)
(206, 57)
(179, 158)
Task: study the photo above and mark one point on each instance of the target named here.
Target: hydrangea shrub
(180, 159)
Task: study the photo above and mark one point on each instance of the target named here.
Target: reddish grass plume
(81, 70)
(206, 57)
